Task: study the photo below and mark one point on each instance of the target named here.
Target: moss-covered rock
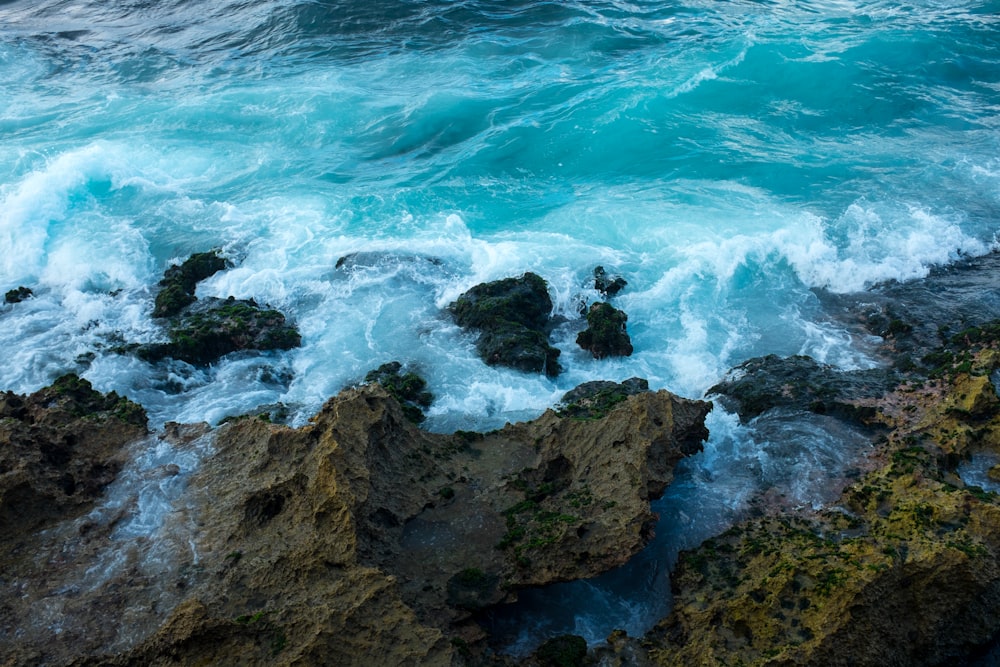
(407, 388)
(607, 285)
(180, 281)
(593, 400)
(212, 328)
(605, 335)
(17, 295)
(512, 317)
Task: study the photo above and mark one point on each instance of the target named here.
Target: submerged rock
(17, 295)
(512, 318)
(605, 335)
(607, 285)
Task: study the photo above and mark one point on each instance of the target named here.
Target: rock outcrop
(360, 539)
(903, 568)
(605, 335)
(512, 317)
(202, 331)
(408, 388)
(17, 295)
(59, 448)
(607, 285)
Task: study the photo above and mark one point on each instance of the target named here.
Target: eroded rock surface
(903, 568)
(59, 448)
(360, 539)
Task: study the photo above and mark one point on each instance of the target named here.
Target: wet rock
(59, 448)
(607, 285)
(593, 400)
(562, 651)
(802, 383)
(333, 544)
(17, 295)
(903, 568)
(179, 282)
(212, 328)
(512, 317)
(407, 388)
(605, 335)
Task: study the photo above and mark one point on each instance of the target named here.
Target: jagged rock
(607, 285)
(904, 571)
(407, 388)
(605, 334)
(179, 282)
(212, 328)
(512, 318)
(59, 448)
(801, 383)
(17, 295)
(332, 544)
(592, 400)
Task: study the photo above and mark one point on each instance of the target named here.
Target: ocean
(726, 158)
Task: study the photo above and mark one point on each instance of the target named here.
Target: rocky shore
(360, 539)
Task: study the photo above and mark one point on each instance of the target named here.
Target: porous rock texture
(359, 539)
(904, 568)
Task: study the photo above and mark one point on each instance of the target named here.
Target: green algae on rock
(407, 388)
(605, 335)
(179, 282)
(202, 331)
(512, 317)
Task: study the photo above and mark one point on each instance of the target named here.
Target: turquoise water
(725, 157)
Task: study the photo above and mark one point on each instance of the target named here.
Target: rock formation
(605, 334)
(512, 317)
(607, 285)
(202, 331)
(903, 569)
(17, 295)
(360, 539)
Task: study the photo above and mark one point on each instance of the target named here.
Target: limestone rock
(59, 448)
(334, 543)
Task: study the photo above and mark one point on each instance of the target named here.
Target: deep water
(724, 157)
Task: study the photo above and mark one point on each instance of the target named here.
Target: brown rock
(360, 539)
